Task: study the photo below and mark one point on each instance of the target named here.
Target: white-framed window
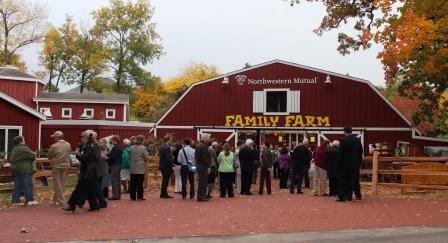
(110, 113)
(89, 112)
(66, 113)
(276, 101)
(46, 111)
(7, 134)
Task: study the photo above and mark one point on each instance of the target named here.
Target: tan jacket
(59, 154)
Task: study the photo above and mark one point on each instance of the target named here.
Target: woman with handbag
(226, 171)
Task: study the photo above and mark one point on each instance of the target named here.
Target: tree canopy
(414, 37)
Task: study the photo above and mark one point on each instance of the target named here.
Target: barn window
(66, 112)
(276, 101)
(88, 113)
(7, 135)
(46, 111)
(110, 113)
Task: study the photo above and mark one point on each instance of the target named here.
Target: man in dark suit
(301, 158)
(247, 158)
(203, 159)
(351, 152)
(165, 165)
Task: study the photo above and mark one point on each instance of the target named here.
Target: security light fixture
(225, 80)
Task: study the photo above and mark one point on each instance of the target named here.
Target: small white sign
(242, 79)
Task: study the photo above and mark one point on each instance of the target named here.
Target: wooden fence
(407, 172)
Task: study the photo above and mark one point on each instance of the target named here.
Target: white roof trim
(294, 65)
(22, 106)
(80, 101)
(97, 123)
(22, 79)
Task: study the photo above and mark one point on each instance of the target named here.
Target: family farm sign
(243, 79)
(277, 121)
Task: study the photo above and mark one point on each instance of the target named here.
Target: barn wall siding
(11, 115)
(72, 132)
(22, 91)
(78, 109)
(346, 102)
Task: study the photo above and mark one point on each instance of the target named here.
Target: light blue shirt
(189, 151)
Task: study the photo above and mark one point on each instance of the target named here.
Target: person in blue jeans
(22, 167)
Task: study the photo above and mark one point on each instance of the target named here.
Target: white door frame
(7, 128)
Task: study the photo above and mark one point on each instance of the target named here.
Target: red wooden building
(281, 102)
(28, 111)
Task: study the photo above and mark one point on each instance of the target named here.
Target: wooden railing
(410, 172)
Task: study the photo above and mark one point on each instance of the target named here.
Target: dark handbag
(191, 167)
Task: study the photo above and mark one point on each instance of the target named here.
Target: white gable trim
(22, 106)
(294, 65)
(22, 79)
(97, 123)
(51, 100)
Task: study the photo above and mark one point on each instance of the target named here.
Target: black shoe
(340, 200)
(291, 192)
(114, 199)
(299, 192)
(166, 197)
(249, 194)
(359, 198)
(203, 199)
(142, 199)
(70, 209)
(191, 196)
(93, 209)
(210, 197)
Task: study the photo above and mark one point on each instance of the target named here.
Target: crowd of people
(121, 166)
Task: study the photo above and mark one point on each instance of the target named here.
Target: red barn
(17, 109)
(281, 102)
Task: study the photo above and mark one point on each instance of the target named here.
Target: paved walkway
(243, 215)
(390, 235)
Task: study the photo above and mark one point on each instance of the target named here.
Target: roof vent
(328, 79)
(225, 80)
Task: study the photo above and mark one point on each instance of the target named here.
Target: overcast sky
(230, 33)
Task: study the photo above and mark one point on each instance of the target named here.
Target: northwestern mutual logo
(241, 79)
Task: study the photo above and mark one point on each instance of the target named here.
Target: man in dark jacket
(247, 158)
(165, 165)
(203, 160)
(333, 161)
(301, 157)
(351, 152)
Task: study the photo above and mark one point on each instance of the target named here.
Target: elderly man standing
(59, 155)
(203, 159)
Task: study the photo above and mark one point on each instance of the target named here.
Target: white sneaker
(31, 203)
(17, 204)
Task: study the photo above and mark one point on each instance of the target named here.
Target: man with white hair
(246, 157)
(203, 159)
(59, 155)
(333, 161)
(301, 161)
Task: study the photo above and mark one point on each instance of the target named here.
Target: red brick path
(280, 212)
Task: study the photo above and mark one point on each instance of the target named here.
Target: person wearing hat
(59, 156)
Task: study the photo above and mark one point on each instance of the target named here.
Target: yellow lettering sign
(277, 121)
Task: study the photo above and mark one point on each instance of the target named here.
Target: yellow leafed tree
(191, 74)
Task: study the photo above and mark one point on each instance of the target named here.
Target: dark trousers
(85, 188)
(246, 181)
(99, 194)
(284, 174)
(333, 185)
(306, 177)
(254, 175)
(225, 184)
(349, 183)
(186, 174)
(166, 174)
(202, 181)
(297, 176)
(136, 186)
(115, 181)
(265, 176)
(276, 170)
